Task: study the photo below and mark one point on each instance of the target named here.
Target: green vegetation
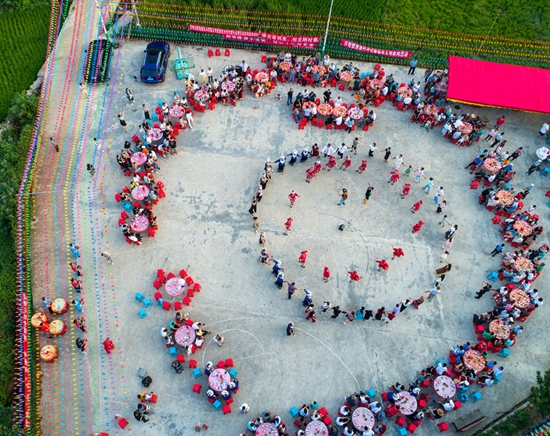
(15, 140)
(513, 425)
(23, 47)
(523, 20)
(540, 394)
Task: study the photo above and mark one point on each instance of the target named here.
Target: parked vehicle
(155, 62)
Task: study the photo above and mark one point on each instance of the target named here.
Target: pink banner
(26, 369)
(375, 51)
(279, 40)
(219, 31)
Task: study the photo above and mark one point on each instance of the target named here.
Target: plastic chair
(411, 428)
(504, 353)
(197, 388)
(401, 432)
(218, 53)
(173, 352)
(197, 373)
(157, 284)
(229, 363)
(196, 287)
(233, 372)
(493, 276)
(217, 405)
(142, 313)
(210, 53)
(183, 274)
(192, 363)
(221, 364)
(476, 396)
(442, 426)
(177, 305)
(124, 215)
(158, 296)
(293, 412)
(226, 409)
(227, 52)
(400, 421)
(139, 297)
(463, 397)
(545, 172)
(166, 305)
(187, 301)
(147, 303)
(371, 393)
(189, 281)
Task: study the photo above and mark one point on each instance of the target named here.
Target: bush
(540, 395)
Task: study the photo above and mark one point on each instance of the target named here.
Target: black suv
(155, 62)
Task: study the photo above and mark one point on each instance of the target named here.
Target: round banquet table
(176, 112)
(38, 318)
(441, 87)
(444, 387)
(140, 192)
(356, 113)
(319, 69)
(228, 86)
(499, 329)
(174, 286)
(345, 76)
(505, 198)
(156, 136)
(492, 165)
(523, 228)
(201, 95)
(430, 109)
(407, 403)
(362, 418)
(339, 111)
(57, 327)
(267, 429)
(309, 104)
(466, 128)
(522, 264)
(316, 428)
(324, 109)
(138, 158)
(376, 84)
(60, 306)
(219, 379)
(185, 335)
(543, 152)
(286, 66)
(405, 91)
(261, 77)
(520, 298)
(139, 223)
(49, 353)
(473, 359)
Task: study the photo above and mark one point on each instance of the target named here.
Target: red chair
(384, 396)
(160, 273)
(411, 428)
(157, 284)
(171, 275)
(227, 52)
(264, 59)
(124, 215)
(400, 421)
(218, 53)
(189, 281)
(196, 287)
(401, 107)
(342, 87)
(187, 301)
(425, 383)
(177, 305)
(192, 364)
(162, 279)
(443, 426)
(474, 184)
(497, 219)
(197, 388)
(158, 296)
(328, 127)
(121, 221)
(458, 405)
(211, 106)
(183, 273)
(190, 293)
(151, 232)
(221, 364)
(421, 404)
(229, 400)
(229, 364)
(390, 411)
(166, 306)
(210, 53)
(365, 128)
(118, 197)
(326, 420)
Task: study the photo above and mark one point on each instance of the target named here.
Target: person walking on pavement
(387, 154)
(54, 144)
(498, 249)
(81, 344)
(367, 195)
(483, 290)
(290, 329)
(289, 96)
(343, 193)
(413, 65)
(292, 288)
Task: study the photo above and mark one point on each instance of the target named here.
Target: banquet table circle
(228, 86)
(155, 135)
(543, 152)
(219, 379)
(339, 111)
(407, 403)
(492, 165)
(38, 318)
(441, 87)
(324, 109)
(138, 158)
(522, 264)
(140, 192)
(60, 306)
(174, 286)
(176, 111)
(185, 335)
(473, 359)
(505, 198)
(523, 228)
(376, 84)
(286, 66)
(57, 327)
(345, 76)
(316, 428)
(139, 223)
(362, 418)
(309, 104)
(520, 298)
(466, 128)
(261, 77)
(444, 387)
(430, 109)
(499, 329)
(49, 353)
(319, 69)
(404, 91)
(266, 429)
(201, 95)
(356, 113)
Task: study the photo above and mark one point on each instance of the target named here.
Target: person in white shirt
(544, 129)
(244, 67)
(341, 150)
(328, 150)
(338, 102)
(190, 120)
(407, 101)
(398, 161)
(339, 121)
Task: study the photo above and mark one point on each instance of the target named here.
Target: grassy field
(23, 48)
(514, 18)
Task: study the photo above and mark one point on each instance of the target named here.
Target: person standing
(544, 129)
(303, 258)
(335, 311)
(292, 288)
(387, 154)
(289, 96)
(326, 274)
(90, 168)
(290, 329)
(341, 150)
(122, 121)
(130, 96)
(328, 150)
(219, 340)
(350, 316)
(81, 344)
(367, 195)
(413, 65)
(54, 144)
(288, 224)
(108, 345)
(428, 186)
(146, 113)
(107, 256)
(372, 149)
(398, 161)
(498, 249)
(419, 175)
(483, 290)
(516, 154)
(434, 292)
(292, 196)
(343, 193)
(439, 196)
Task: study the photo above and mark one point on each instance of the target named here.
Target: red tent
(486, 83)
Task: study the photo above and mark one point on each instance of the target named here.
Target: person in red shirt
(416, 228)
(353, 276)
(108, 345)
(293, 196)
(288, 225)
(500, 121)
(416, 206)
(382, 264)
(397, 252)
(346, 164)
(326, 274)
(406, 190)
(362, 167)
(303, 257)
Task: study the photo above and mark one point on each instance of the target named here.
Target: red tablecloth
(345, 76)
(139, 223)
(356, 113)
(316, 428)
(219, 379)
(499, 329)
(444, 386)
(523, 228)
(339, 111)
(324, 109)
(185, 335)
(362, 417)
(140, 192)
(228, 86)
(261, 77)
(174, 286)
(267, 429)
(407, 403)
(473, 359)
(138, 158)
(520, 298)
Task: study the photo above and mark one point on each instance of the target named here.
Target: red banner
(26, 369)
(278, 40)
(375, 51)
(219, 31)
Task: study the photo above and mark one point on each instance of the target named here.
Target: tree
(540, 395)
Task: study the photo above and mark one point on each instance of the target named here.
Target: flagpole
(326, 31)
